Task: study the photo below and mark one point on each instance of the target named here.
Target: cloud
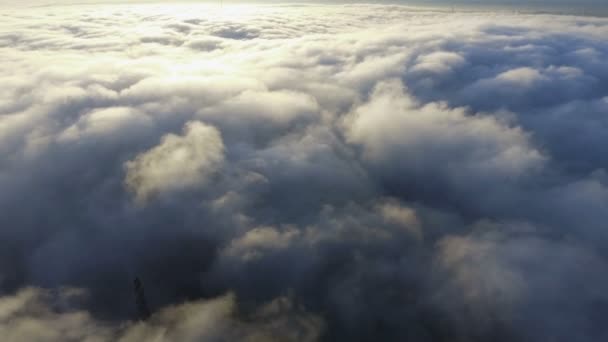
(104, 122)
(177, 163)
(40, 315)
(433, 137)
(492, 266)
(346, 172)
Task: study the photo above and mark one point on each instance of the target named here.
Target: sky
(288, 172)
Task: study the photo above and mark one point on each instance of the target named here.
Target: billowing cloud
(178, 162)
(417, 140)
(283, 172)
(40, 315)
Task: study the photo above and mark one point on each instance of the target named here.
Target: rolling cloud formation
(302, 173)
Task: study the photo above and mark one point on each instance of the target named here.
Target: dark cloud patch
(354, 173)
(236, 32)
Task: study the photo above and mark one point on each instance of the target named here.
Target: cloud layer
(357, 173)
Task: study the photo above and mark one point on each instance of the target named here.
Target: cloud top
(177, 163)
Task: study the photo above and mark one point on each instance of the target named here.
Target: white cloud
(177, 163)
(396, 132)
(105, 122)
